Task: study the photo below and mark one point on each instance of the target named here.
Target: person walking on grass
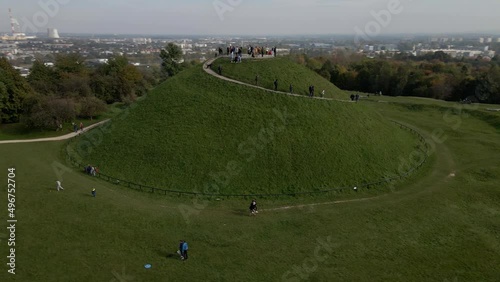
(58, 185)
(323, 94)
(93, 192)
(219, 70)
(291, 89)
(179, 252)
(256, 79)
(184, 250)
(276, 84)
(253, 207)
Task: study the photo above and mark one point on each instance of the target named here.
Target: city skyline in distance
(256, 18)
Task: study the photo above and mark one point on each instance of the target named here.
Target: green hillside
(197, 131)
(285, 70)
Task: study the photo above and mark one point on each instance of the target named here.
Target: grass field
(19, 131)
(285, 70)
(442, 224)
(246, 141)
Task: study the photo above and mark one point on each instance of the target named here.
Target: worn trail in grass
(217, 137)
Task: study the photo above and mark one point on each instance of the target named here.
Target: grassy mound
(285, 70)
(199, 133)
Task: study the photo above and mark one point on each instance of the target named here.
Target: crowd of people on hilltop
(260, 50)
(236, 51)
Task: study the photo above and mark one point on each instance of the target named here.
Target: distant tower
(52, 33)
(13, 23)
(15, 27)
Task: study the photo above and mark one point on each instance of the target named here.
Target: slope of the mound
(284, 70)
(196, 130)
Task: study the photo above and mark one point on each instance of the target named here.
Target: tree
(400, 80)
(487, 88)
(13, 89)
(48, 112)
(118, 80)
(72, 75)
(72, 63)
(42, 78)
(171, 56)
(73, 85)
(91, 107)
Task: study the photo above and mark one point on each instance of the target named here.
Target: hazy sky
(250, 17)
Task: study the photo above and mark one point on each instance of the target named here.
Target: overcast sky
(251, 17)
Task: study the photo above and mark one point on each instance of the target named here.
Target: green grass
(431, 228)
(19, 131)
(285, 70)
(187, 136)
(425, 101)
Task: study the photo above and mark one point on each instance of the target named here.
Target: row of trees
(433, 76)
(52, 95)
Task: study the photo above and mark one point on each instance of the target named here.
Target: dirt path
(57, 138)
(443, 168)
(213, 73)
(444, 159)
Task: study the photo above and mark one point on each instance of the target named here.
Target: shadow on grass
(168, 255)
(240, 212)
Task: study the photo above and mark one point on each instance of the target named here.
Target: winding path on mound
(213, 73)
(431, 181)
(438, 177)
(57, 138)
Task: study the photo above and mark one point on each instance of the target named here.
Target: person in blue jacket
(184, 250)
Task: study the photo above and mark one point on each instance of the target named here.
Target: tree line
(435, 76)
(70, 89)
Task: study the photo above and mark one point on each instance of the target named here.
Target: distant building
(142, 40)
(481, 40)
(489, 40)
(369, 48)
(52, 33)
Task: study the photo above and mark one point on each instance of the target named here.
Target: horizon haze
(258, 17)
